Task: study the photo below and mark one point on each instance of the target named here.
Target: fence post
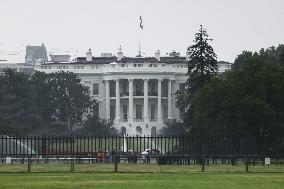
(29, 164)
(247, 164)
(72, 163)
(203, 163)
(115, 163)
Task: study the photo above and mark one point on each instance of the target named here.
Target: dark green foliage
(18, 113)
(202, 66)
(44, 104)
(93, 126)
(173, 129)
(269, 55)
(247, 101)
(241, 59)
(62, 99)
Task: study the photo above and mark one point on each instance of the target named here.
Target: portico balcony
(139, 120)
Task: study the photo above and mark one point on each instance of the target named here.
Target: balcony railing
(153, 119)
(112, 69)
(138, 120)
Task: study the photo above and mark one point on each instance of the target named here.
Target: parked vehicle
(151, 152)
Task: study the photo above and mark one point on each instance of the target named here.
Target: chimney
(187, 55)
(119, 54)
(157, 55)
(89, 56)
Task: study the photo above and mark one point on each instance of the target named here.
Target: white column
(117, 101)
(160, 101)
(130, 117)
(107, 101)
(169, 99)
(146, 114)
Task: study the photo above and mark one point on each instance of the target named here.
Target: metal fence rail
(165, 145)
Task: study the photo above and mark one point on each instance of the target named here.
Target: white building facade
(137, 95)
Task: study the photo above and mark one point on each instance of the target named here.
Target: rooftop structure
(35, 54)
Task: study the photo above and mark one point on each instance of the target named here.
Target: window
(124, 110)
(124, 90)
(165, 111)
(138, 89)
(152, 115)
(112, 111)
(138, 111)
(123, 130)
(153, 131)
(164, 88)
(96, 89)
(139, 130)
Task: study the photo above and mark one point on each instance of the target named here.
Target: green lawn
(135, 176)
(142, 180)
(139, 168)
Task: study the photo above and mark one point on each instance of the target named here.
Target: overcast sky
(102, 25)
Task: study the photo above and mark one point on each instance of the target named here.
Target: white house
(137, 94)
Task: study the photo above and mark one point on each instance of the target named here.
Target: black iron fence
(159, 145)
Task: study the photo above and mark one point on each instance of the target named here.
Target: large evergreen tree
(202, 66)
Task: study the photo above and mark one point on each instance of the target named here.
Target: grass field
(138, 168)
(136, 176)
(142, 180)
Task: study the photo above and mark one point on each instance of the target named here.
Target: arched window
(123, 131)
(153, 131)
(138, 130)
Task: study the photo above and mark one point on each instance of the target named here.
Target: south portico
(138, 106)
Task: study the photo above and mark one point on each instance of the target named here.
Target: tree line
(247, 100)
(47, 104)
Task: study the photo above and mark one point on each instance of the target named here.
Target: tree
(18, 112)
(202, 66)
(270, 55)
(242, 58)
(173, 128)
(62, 99)
(93, 126)
(246, 102)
